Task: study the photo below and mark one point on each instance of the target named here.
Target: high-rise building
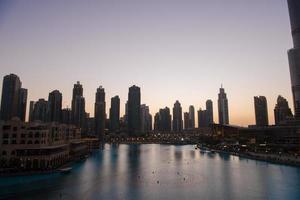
(177, 117)
(186, 120)
(134, 110)
(31, 107)
(209, 112)
(202, 118)
(114, 113)
(261, 111)
(282, 111)
(163, 120)
(223, 107)
(78, 105)
(294, 53)
(100, 112)
(191, 117)
(22, 104)
(39, 112)
(14, 98)
(54, 112)
(66, 116)
(146, 119)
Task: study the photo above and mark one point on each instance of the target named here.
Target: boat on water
(65, 170)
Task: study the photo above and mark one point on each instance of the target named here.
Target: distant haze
(173, 49)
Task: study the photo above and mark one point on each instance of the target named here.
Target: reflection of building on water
(39, 146)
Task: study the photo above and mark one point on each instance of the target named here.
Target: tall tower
(100, 114)
(78, 105)
(177, 117)
(14, 98)
(114, 113)
(294, 53)
(191, 117)
(209, 112)
(134, 110)
(223, 107)
(261, 111)
(54, 106)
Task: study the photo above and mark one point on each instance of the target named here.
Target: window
(15, 128)
(22, 142)
(37, 134)
(5, 142)
(29, 142)
(30, 135)
(4, 153)
(36, 142)
(13, 142)
(14, 135)
(5, 135)
(23, 135)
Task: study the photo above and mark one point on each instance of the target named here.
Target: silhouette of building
(294, 53)
(39, 111)
(282, 111)
(114, 114)
(162, 121)
(78, 106)
(177, 117)
(223, 107)
(186, 120)
(54, 109)
(100, 114)
(14, 98)
(261, 111)
(31, 107)
(209, 112)
(202, 118)
(66, 116)
(191, 117)
(146, 119)
(134, 110)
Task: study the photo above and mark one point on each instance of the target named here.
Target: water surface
(153, 171)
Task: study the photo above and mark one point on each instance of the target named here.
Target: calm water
(159, 172)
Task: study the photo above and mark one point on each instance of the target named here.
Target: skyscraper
(261, 111)
(134, 110)
(14, 98)
(282, 111)
(39, 112)
(177, 117)
(191, 117)
(54, 113)
(22, 104)
(209, 112)
(78, 105)
(114, 113)
(186, 120)
(223, 107)
(146, 119)
(66, 116)
(163, 120)
(294, 53)
(100, 114)
(202, 118)
(31, 107)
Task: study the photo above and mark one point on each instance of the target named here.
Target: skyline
(186, 61)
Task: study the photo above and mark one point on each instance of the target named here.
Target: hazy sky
(173, 49)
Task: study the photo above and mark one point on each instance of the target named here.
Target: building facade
(177, 117)
(134, 110)
(261, 111)
(223, 107)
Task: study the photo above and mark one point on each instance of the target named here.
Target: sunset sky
(173, 49)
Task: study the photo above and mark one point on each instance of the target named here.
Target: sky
(173, 49)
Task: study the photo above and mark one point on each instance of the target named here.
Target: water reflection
(160, 172)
